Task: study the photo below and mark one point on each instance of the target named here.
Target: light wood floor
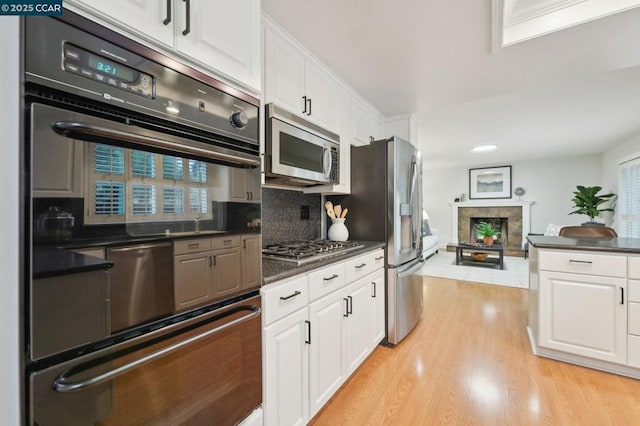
(468, 362)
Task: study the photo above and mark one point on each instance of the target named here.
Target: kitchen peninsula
(584, 301)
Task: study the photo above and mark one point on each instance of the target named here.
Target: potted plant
(487, 232)
(587, 201)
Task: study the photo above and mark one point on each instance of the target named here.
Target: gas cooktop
(308, 251)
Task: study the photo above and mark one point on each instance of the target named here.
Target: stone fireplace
(511, 217)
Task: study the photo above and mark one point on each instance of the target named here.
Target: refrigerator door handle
(412, 193)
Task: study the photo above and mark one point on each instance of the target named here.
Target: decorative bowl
(479, 257)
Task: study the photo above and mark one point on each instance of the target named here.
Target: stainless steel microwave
(299, 153)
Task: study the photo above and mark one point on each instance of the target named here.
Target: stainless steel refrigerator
(386, 205)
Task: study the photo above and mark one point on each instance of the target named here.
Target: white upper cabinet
(216, 35)
(403, 126)
(295, 82)
(152, 19)
(366, 123)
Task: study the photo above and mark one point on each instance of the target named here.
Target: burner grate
(307, 251)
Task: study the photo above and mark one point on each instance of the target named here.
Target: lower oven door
(206, 370)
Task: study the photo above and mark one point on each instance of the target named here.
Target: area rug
(514, 274)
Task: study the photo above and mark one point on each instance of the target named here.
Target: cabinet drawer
(225, 242)
(326, 280)
(583, 263)
(358, 267)
(633, 318)
(634, 267)
(378, 259)
(195, 245)
(633, 289)
(284, 297)
(633, 351)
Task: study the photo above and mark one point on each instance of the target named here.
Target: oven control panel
(106, 71)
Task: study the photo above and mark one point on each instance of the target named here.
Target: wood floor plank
(469, 362)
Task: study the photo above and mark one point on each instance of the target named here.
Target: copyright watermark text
(31, 7)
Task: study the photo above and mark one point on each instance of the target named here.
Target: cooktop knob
(239, 120)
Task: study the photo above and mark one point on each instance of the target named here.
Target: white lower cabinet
(338, 326)
(326, 349)
(584, 314)
(357, 327)
(286, 372)
(377, 295)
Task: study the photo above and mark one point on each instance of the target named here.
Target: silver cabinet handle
(379, 258)
(194, 245)
(308, 324)
(362, 265)
(92, 132)
(622, 295)
(374, 289)
(63, 385)
(333, 277)
(580, 261)
(295, 293)
(346, 308)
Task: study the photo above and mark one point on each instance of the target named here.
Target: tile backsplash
(281, 216)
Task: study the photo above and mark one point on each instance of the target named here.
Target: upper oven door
(300, 154)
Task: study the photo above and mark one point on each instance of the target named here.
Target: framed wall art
(490, 182)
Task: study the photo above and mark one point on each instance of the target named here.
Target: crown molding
(515, 21)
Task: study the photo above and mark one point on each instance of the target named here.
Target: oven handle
(80, 130)
(61, 383)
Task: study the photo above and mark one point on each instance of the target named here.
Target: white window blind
(172, 168)
(143, 164)
(172, 200)
(198, 201)
(628, 207)
(109, 198)
(109, 160)
(133, 186)
(144, 199)
(197, 171)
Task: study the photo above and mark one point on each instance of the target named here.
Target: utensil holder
(338, 230)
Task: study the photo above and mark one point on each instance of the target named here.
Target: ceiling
(574, 91)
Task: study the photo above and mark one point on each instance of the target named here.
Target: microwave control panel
(333, 174)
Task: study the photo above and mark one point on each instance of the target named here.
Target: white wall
(10, 370)
(549, 183)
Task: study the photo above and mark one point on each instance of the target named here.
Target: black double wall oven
(132, 161)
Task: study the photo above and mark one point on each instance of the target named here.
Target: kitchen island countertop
(275, 270)
(617, 245)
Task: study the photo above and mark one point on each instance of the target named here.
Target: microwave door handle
(63, 385)
(93, 133)
(326, 162)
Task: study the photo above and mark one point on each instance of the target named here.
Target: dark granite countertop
(57, 259)
(118, 240)
(275, 270)
(51, 262)
(618, 245)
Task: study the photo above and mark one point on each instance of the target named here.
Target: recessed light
(483, 148)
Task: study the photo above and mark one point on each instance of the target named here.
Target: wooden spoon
(329, 206)
(344, 213)
(337, 210)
